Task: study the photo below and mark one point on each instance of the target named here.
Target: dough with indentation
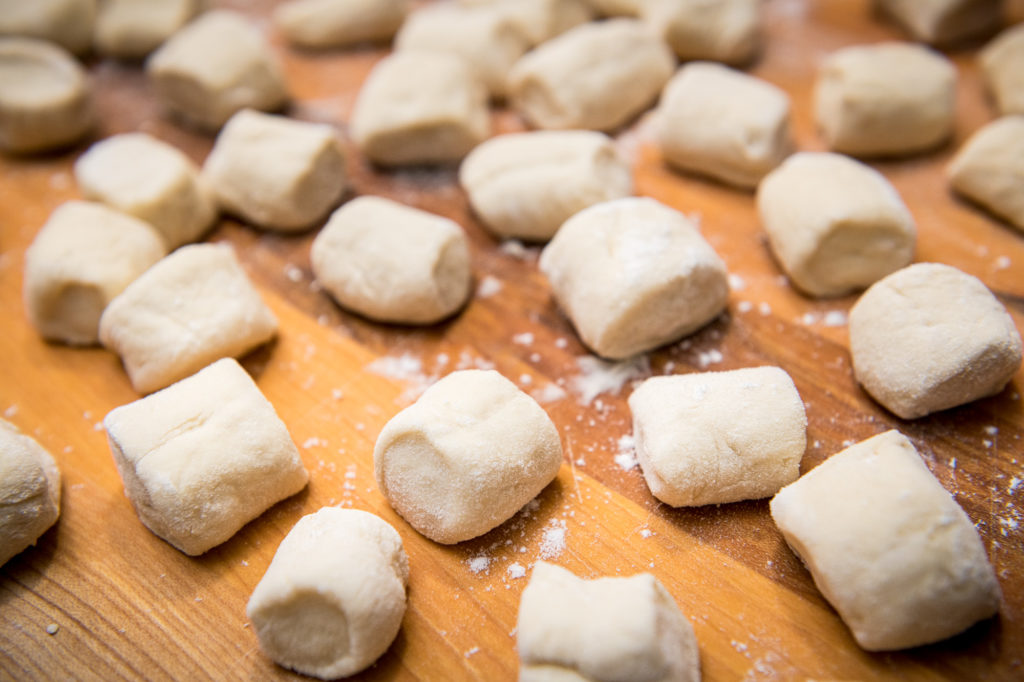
(29, 491)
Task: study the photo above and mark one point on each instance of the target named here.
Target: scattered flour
(598, 376)
(515, 248)
(474, 650)
(405, 368)
(552, 543)
(524, 339)
(711, 357)
(488, 287)
(626, 457)
(293, 272)
(744, 306)
(479, 564)
(516, 570)
(736, 283)
(549, 394)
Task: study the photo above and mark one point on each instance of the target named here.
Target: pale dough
(1002, 65)
(887, 546)
(941, 22)
(541, 20)
(989, 169)
(339, 23)
(68, 23)
(466, 456)
(131, 29)
(719, 30)
(617, 8)
(29, 491)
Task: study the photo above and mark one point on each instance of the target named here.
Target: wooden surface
(128, 605)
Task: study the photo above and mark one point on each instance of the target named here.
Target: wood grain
(129, 606)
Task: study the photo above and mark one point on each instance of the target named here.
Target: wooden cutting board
(128, 606)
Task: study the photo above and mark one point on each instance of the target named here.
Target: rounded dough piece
(989, 169)
(129, 29)
(68, 23)
(718, 30)
(1002, 64)
(466, 456)
(339, 23)
(540, 20)
(333, 597)
(943, 22)
(29, 491)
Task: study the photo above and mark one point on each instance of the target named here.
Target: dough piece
(602, 630)
(339, 23)
(29, 491)
(525, 185)
(541, 20)
(84, 256)
(724, 124)
(887, 546)
(891, 99)
(1002, 65)
(617, 8)
(420, 107)
(596, 76)
(216, 66)
(930, 337)
(718, 437)
(130, 29)
(193, 307)
(69, 23)
(942, 22)
(275, 172)
(466, 456)
(203, 457)
(719, 30)
(835, 225)
(633, 274)
(151, 180)
(393, 263)
(332, 599)
(989, 169)
(44, 97)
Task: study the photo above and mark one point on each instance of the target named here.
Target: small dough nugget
(129, 29)
(930, 337)
(193, 307)
(84, 256)
(420, 108)
(633, 274)
(888, 99)
(525, 185)
(203, 457)
(275, 172)
(466, 456)
(835, 225)
(989, 169)
(339, 23)
(602, 630)
(718, 437)
(942, 22)
(29, 491)
(1002, 64)
(887, 546)
(151, 180)
(69, 23)
(44, 97)
(724, 124)
(217, 65)
(718, 30)
(596, 76)
(541, 20)
(332, 599)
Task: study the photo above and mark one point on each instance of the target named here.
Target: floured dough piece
(420, 108)
(130, 29)
(44, 97)
(989, 169)
(719, 30)
(332, 599)
(885, 99)
(602, 630)
(151, 180)
(69, 23)
(718, 437)
(525, 185)
(339, 23)
(633, 274)
(887, 546)
(723, 123)
(466, 456)
(276, 172)
(29, 491)
(617, 8)
(941, 22)
(1002, 64)
(393, 263)
(84, 256)
(203, 457)
(930, 337)
(835, 225)
(193, 307)
(596, 76)
(541, 20)
(217, 65)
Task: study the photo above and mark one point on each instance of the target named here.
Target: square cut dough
(887, 546)
(193, 307)
(989, 169)
(942, 22)
(203, 457)
(29, 491)
(718, 437)
(718, 30)
(1002, 65)
(339, 23)
(131, 29)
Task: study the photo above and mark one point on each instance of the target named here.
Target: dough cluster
(29, 491)
(1002, 65)
(989, 169)
(719, 30)
(339, 23)
(130, 29)
(942, 22)
(541, 20)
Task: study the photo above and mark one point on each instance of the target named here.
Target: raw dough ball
(275, 172)
(150, 180)
(929, 337)
(191, 308)
(835, 225)
(941, 22)
(217, 65)
(420, 107)
(130, 29)
(723, 123)
(541, 20)
(69, 23)
(989, 169)
(602, 630)
(1002, 65)
(887, 545)
(466, 456)
(596, 76)
(84, 256)
(44, 97)
(339, 23)
(633, 274)
(885, 99)
(719, 30)
(718, 437)
(203, 457)
(332, 600)
(525, 185)
(29, 491)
